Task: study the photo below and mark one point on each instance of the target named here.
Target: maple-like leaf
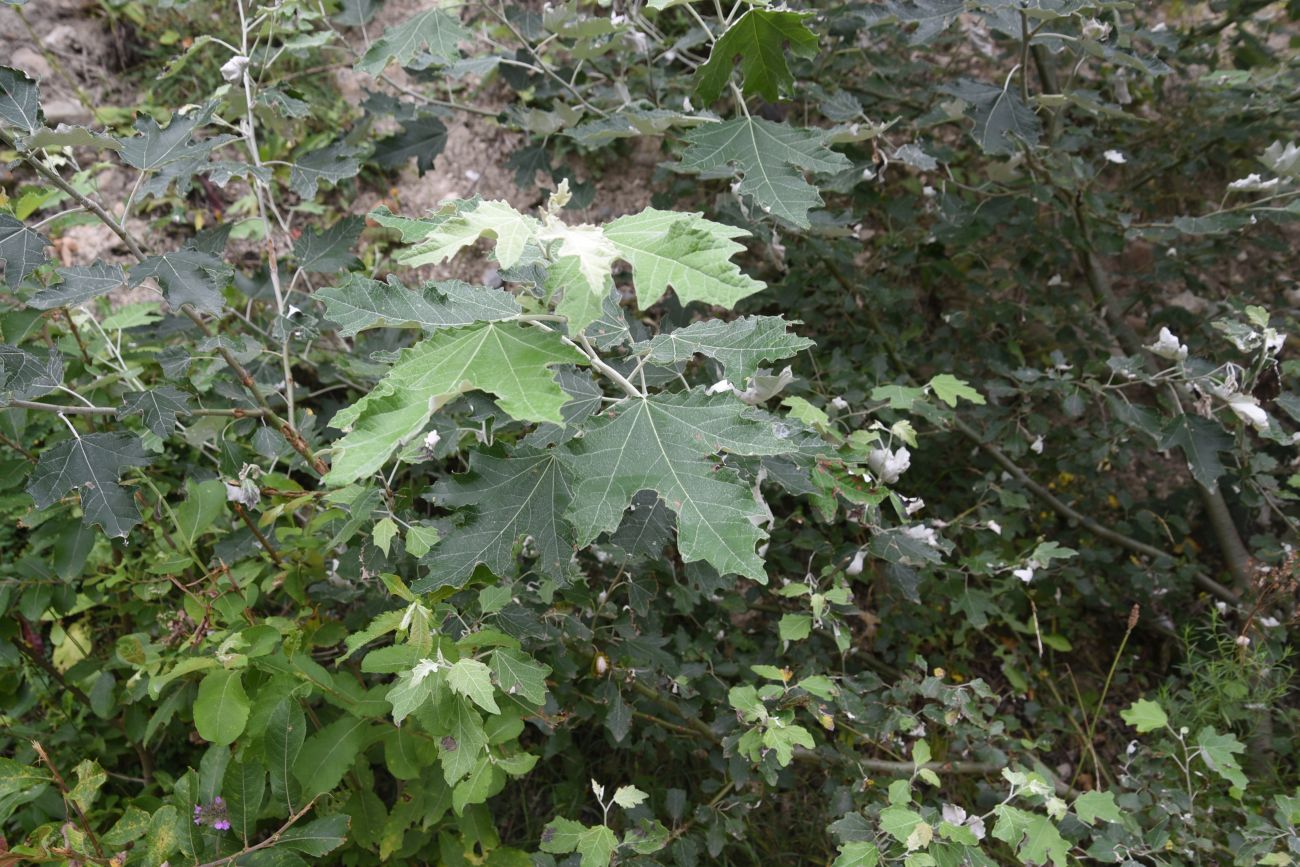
(456, 225)
(759, 39)
(361, 303)
(91, 464)
(741, 345)
(505, 498)
(25, 375)
(186, 277)
(507, 359)
(80, 284)
(434, 31)
(770, 158)
(422, 137)
(1002, 119)
(329, 250)
(20, 101)
(665, 444)
(684, 251)
(330, 164)
(22, 249)
(158, 407)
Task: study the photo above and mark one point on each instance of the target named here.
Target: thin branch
(269, 841)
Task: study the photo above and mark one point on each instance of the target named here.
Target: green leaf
(1201, 441)
(20, 100)
(628, 797)
(421, 138)
(663, 444)
(243, 790)
(158, 407)
(25, 375)
(204, 503)
(460, 754)
(759, 38)
(221, 708)
(782, 738)
(361, 303)
(79, 285)
(473, 679)
(329, 754)
(596, 846)
(186, 277)
(560, 836)
(330, 250)
(740, 345)
(21, 248)
(331, 164)
(457, 225)
(684, 251)
(509, 360)
(91, 464)
(1091, 806)
(1145, 716)
(413, 688)
(286, 729)
(794, 627)
(524, 494)
(1220, 752)
(858, 853)
(770, 159)
(163, 837)
(931, 17)
(383, 534)
(155, 148)
(519, 674)
(318, 837)
(1033, 835)
(419, 540)
(950, 389)
(898, 821)
(1002, 120)
(434, 31)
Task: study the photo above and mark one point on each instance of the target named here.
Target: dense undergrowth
(906, 476)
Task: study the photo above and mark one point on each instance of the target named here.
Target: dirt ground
(69, 45)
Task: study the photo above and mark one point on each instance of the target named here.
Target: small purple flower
(214, 815)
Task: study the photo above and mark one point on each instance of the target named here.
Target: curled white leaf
(889, 465)
(1168, 346)
(233, 69)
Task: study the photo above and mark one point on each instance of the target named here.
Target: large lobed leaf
(91, 464)
(759, 40)
(524, 494)
(507, 359)
(770, 159)
(740, 346)
(665, 444)
(360, 303)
